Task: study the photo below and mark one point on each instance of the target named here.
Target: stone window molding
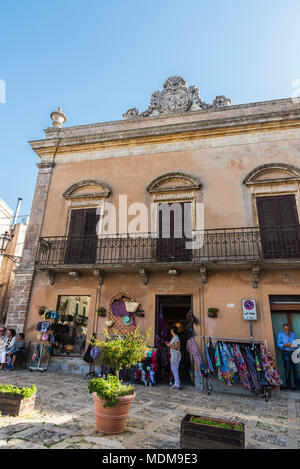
(273, 179)
(100, 190)
(289, 173)
(173, 181)
(174, 187)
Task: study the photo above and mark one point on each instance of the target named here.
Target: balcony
(240, 246)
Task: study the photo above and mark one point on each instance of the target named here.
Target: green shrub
(123, 350)
(15, 391)
(109, 389)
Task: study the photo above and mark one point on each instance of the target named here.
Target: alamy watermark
(296, 92)
(296, 353)
(2, 92)
(165, 220)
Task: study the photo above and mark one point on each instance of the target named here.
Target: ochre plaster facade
(220, 148)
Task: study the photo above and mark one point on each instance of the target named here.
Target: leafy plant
(120, 351)
(109, 389)
(212, 312)
(213, 423)
(15, 391)
(101, 311)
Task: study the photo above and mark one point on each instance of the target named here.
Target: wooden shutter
(82, 241)
(278, 210)
(278, 222)
(173, 248)
(76, 226)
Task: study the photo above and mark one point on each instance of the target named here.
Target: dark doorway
(285, 309)
(279, 226)
(171, 310)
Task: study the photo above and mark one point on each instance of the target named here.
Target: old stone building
(242, 162)
(12, 237)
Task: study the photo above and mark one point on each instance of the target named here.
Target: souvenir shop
(224, 364)
(64, 329)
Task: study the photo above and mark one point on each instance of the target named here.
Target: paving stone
(274, 439)
(64, 416)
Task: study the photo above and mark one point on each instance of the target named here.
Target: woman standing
(175, 358)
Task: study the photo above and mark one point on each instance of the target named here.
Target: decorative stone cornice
(267, 116)
(176, 98)
(255, 276)
(144, 276)
(46, 165)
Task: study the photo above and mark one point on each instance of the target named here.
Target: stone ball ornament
(58, 118)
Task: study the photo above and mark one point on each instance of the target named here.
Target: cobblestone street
(64, 416)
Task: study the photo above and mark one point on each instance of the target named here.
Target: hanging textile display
(250, 365)
(146, 370)
(268, 363)
(195, 356)
(241, 367)
(191, 320)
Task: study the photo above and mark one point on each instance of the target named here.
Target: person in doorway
(175, 356)
(3, 341)
(285, 342)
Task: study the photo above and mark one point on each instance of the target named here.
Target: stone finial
(58, 118)
(176, 97)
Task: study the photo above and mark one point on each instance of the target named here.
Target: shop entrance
(285, 309)
(171, 310)
(71, 328)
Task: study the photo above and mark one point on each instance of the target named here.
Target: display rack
(266, 392)
(39, 363)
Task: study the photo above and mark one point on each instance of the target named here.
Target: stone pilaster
(20, 295)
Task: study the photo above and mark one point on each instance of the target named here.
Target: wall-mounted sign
(249, 309)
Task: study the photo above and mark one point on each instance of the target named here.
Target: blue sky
(97, 58)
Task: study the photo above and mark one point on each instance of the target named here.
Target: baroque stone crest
(176, 97)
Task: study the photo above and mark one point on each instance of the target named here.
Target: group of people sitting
(11, 346)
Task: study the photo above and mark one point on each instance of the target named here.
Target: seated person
(16, 351)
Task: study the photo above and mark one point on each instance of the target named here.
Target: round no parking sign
(249, 309)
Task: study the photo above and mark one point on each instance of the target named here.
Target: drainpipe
(16, 212)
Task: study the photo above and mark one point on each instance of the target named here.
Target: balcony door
(82, 237)
(174, 230)
(278, 222)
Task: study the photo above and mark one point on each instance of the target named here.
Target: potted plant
(42, 310)
(17, 401)
(212, 312)
(112, 399)
(199, 432)
(101, 311)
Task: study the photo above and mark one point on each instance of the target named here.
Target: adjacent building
(15, 233)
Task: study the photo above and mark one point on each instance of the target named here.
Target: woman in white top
(9, 345)
(175, 357)
(3, 342)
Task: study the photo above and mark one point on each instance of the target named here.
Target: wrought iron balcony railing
(215, 245)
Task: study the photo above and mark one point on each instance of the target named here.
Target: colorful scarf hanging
(241, 367)
(192, 348)
(268, 363)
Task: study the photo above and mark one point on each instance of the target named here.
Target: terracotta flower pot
(112, 420)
